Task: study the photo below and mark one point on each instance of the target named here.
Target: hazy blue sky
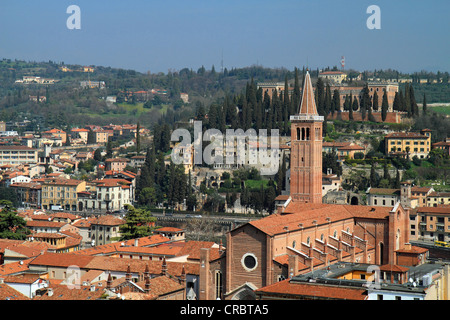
(158, 35)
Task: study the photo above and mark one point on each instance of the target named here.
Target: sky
(157, 36)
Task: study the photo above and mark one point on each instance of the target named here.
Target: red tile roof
(296, 213)
(312, 290)
(8, 293)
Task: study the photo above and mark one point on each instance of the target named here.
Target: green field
(441, 109)
(256, 184)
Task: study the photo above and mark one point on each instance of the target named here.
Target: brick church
(306, 234)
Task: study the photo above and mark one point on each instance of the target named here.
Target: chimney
(292, 265)
(220, 247)
(92, 287)
(50, 292)
(109, 281)
(408, 246)
(128, 275)
(147, 285)
(136, 242)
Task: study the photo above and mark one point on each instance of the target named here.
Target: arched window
(303, 133)
(307, 240)
(307, 134)
(298, 133)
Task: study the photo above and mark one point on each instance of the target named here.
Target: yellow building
(409, 143)
(436, 199)
(61, 192)
(17, 155)
(333, 76)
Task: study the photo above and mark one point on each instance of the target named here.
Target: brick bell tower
(306, 149)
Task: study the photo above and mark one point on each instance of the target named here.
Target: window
(379, 297)
(249, 261)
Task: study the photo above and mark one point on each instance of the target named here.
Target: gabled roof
(290, 288)
(308, 213)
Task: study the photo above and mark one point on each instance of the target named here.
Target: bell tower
(306, 149)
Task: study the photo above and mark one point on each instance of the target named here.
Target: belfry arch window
(307, 134)
(303, 133)
(298, 133)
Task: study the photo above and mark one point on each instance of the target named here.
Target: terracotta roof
(65, 292)
(286, 287)
(406, 135)
(306, 214)
(61, 260)
(27, 278)
(162, 285)
(62, 181)
(8, 293)
(45, 224)
(14, 267)
(440, 210)
(393, 268)
(420, 189)
(385, 191)
(107, 221)
(414, 249)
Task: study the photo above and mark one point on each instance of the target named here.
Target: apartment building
(409, 143)
(61, 192)
(433, 223)
(17, 155)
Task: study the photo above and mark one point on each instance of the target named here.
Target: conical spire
(308, 104)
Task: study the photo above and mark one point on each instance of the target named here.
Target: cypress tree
(414, 106)
(396, 103)
(336, 101)
(295, 100)
(375, 101)
(384, 107)
(424, 106)
(407, 104)
(138, 137)
(320, 97)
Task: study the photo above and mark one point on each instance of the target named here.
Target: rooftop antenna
(342, 63)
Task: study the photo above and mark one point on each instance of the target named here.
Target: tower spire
(308, 104)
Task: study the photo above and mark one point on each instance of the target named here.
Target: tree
(424, 106)
(138, 137)
(320, 97)
(365, 101)
(147, 196)
(98, 154)
(139, 223)
(375, 101)
(384, 106)
(397, 180)
(11, 225)
(336, 101)
(373, 179)
(396, 104)
(91, 139)
(414, 107)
